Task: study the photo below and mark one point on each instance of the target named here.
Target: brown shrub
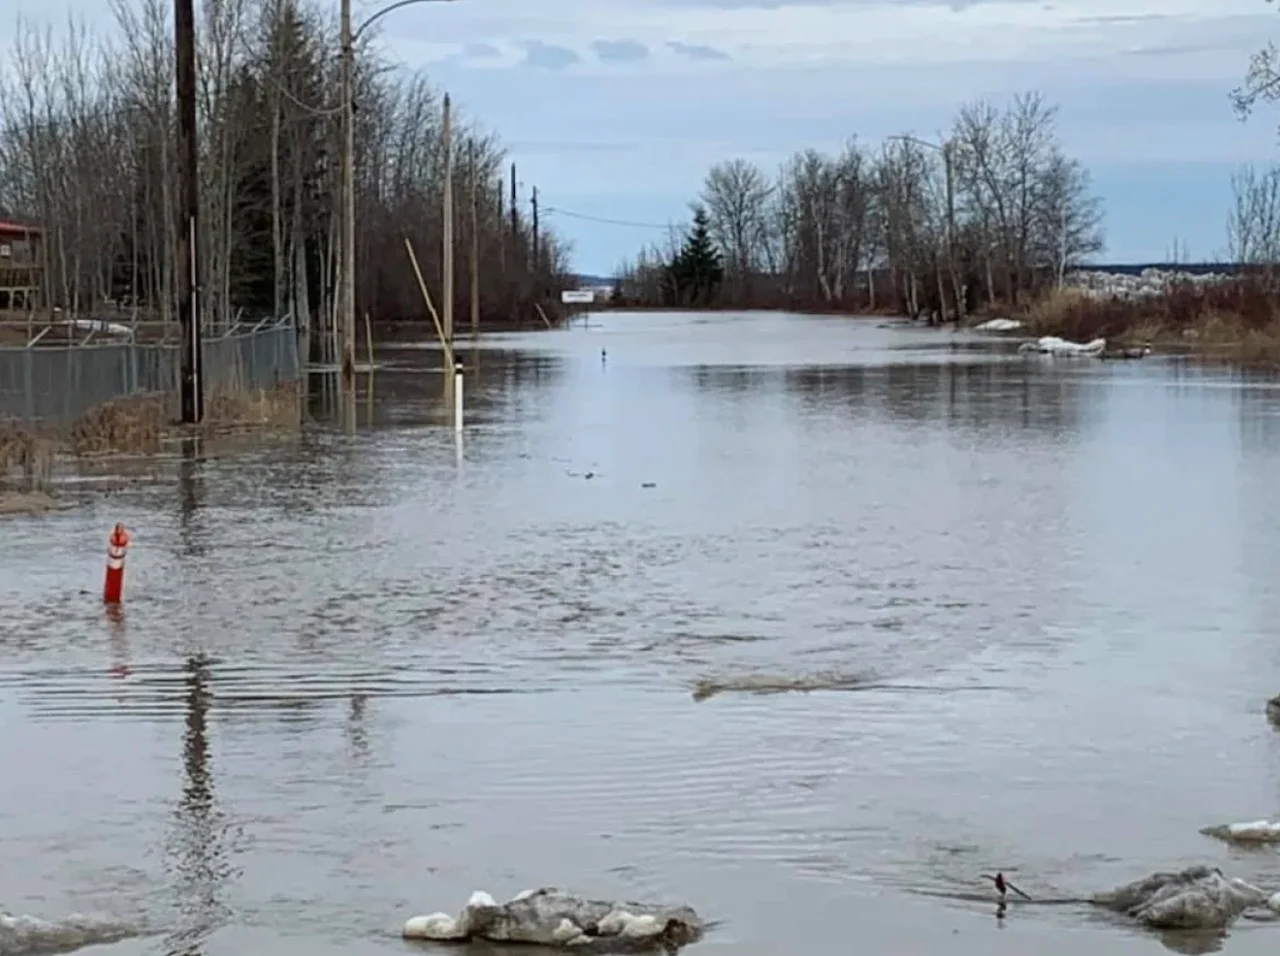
(1245, 308)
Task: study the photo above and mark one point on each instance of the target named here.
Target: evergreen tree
(697, 271)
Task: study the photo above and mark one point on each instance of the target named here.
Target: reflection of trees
(1257, 510)
(196, 852)
(975, 395)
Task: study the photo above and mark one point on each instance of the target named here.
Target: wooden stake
(426, 297)
(368, 340)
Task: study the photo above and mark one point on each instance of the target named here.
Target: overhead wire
(555, 210)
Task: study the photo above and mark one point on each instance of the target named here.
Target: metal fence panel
(57, 385)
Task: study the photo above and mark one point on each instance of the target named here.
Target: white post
(457, 397)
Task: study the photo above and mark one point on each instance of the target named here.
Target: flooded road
(360, 675)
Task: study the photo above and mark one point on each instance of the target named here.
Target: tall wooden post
(347, 267)
(187, 251)
(446, 257)
(957, 292)
(475, 245)
(535, 259)
(515, 209)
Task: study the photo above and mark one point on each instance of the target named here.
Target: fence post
(28, 383)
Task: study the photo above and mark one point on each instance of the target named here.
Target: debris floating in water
(550, 917)
(781, 684)
(1196, 898)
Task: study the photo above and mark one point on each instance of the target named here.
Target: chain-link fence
(56, 385)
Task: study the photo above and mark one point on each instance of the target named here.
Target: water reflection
(1030, 556)
(998, 395)
(191, 496)
(197, 853)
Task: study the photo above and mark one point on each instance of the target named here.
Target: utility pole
(187, 252)
(446, 258)
(347, 269)
(515, 210)
(502, 238)
(956, 292)
(475, 245)
(536, 257)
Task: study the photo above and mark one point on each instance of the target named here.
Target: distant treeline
(991, 214)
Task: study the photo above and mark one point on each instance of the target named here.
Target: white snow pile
(1196, 898)
(1256, 831)
(999, 325)
(1144, 285)
(550, 917)
(23, 935)
(1052, 345)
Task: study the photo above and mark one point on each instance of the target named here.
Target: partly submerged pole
(187, 252)
(446, 252)
(347, 265)
(113, 581)
(457, 398)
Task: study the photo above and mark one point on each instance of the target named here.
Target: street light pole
(948, 162)
(347, 296)
(347, 289)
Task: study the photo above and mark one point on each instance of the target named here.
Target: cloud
(620, 51)
(697, 51)
(549, 56)
(481, 51)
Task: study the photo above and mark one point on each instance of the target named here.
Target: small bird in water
(1003, 886)
(602, 356)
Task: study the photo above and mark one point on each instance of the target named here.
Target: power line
(610, 222)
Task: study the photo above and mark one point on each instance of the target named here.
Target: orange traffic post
(117, 548)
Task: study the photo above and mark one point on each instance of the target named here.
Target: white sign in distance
(577, 296)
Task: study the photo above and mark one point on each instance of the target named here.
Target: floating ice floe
(999, 325)
(1052, 345)
(21, 935)
(1256, 831)
(550, 917)
(1196, 898)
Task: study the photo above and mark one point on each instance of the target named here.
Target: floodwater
(364, 672)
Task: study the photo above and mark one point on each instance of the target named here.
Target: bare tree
(87, 155)
(736, 195)
(1253, 225)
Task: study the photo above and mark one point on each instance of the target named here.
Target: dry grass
(1239, 318)
(276, 408)
(13, 503)
(135, 425)
(139, 425)
(26, 454)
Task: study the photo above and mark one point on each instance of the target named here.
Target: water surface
(362, 673)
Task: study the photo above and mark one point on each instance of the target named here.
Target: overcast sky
(615, 108)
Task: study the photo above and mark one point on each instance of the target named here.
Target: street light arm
(920, 142)
(355, 36)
